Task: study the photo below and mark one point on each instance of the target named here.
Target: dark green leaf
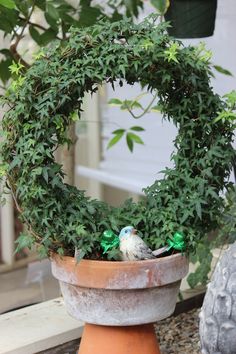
(130, 142)
(23, 6)
(51, 21)
(222, 70)
(52, 11)
(199, 209)
(5, 73)
(8, 20)
(41, 4)
(137, 129)
(88, 14)
(7, 53)
(45, 174)
(35, 35)
(47, 36)
(135, 138)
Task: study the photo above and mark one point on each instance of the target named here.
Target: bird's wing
(142, 250)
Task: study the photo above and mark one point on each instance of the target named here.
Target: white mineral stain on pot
(124, 280)
(62, 274)
(120, 307)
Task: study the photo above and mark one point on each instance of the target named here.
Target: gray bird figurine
(132, 247)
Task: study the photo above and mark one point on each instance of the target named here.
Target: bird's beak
(134, 232)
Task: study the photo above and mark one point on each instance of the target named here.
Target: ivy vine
(42, 103)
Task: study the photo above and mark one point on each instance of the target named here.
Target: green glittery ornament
(177, 242)
(109, 240)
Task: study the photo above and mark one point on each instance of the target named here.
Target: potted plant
(112, 294)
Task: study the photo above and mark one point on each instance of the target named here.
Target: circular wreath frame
(60, 217)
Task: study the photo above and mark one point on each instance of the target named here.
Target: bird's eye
(126, 231)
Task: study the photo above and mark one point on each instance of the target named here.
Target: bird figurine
(132, 247)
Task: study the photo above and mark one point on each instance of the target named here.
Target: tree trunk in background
(68, 157)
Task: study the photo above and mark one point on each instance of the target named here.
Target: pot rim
(120, 274)
(115, 264)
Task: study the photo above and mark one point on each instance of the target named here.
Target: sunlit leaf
(10, 4)
(161, 5)
(115, 102)
(114, 140)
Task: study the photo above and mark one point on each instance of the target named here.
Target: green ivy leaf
(74, 116)
(24, 241)
(16, 68)
(45, 173)
(199, 209)
(171, 52)
(81, 230)
(114, 254)
(42, 251)
(61, 251)
(231, 99)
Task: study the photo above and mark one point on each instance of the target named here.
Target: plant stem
(36, 25)
(13, 47)
(145, 110)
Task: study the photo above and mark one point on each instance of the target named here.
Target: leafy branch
(131, 138)
(129, 105)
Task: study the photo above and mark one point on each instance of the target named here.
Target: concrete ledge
(37, 328)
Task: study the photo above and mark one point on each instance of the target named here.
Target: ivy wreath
(188, 199)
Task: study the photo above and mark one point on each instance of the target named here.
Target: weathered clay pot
(110, 296)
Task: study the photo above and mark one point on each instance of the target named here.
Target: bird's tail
(160, 251)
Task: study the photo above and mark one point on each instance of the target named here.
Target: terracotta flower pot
(119, 301)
